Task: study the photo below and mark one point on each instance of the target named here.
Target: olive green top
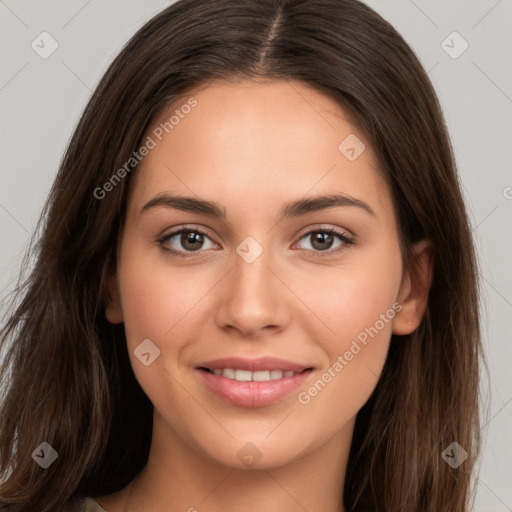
(85, 505)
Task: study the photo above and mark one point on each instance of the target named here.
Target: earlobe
(413, 295)
(113, 311)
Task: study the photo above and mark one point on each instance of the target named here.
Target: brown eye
(324, 241)
(321, 241)
(192, 240)
(185, 240)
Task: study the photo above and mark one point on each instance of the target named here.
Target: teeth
(259, 376)
(229, 373)
(243, 375)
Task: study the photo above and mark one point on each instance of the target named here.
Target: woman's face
(263, 281)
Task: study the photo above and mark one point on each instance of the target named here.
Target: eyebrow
(292, 209)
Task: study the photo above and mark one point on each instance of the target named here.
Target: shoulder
(86, 504)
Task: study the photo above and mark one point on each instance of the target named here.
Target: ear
(113, 310)
(415, 287)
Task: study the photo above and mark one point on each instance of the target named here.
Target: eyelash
(347, 241)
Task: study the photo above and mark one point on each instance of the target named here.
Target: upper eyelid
(340, 231)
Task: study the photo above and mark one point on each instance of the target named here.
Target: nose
(253, 298)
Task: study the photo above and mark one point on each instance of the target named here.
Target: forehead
(263, 141)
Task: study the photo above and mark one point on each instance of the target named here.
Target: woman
(255, 286)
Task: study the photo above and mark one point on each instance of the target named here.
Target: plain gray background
(41, 100)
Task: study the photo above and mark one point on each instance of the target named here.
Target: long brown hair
(66, 376)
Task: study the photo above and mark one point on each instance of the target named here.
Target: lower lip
(253, 393)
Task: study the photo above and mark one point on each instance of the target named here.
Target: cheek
(157, 305)
(165, 304)
(353, 298)
(358, 304)
(156, 297)
(148, 306)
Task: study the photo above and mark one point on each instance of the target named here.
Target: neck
(177, 477)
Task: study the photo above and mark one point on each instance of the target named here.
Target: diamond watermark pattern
(146, 352)
(454, 45)
(44, 455)
(351, 147)
(44, 45)
(249, 454)
(455, 455)
(250, 250)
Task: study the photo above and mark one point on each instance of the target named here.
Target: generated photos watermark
(150, 143)
(304, 397)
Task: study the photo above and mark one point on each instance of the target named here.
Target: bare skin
(252, 147)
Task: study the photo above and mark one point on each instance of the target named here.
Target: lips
(252, 382)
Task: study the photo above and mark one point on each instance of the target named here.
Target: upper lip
(254, 365)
